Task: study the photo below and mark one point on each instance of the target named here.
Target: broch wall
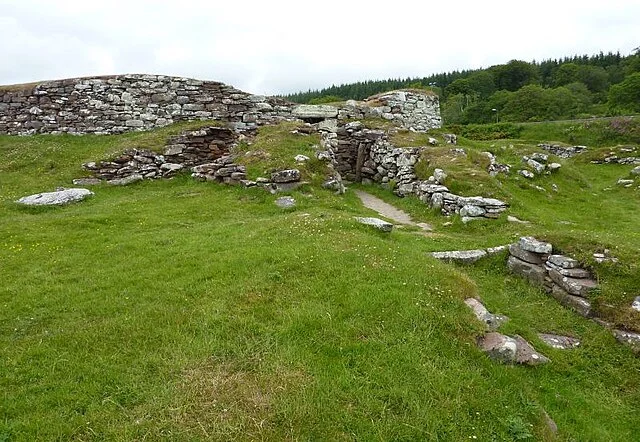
(123, 103)
(109, 105)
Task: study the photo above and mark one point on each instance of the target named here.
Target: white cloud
(280, 46)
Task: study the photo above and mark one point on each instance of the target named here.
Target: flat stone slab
(462, 256)
(575, 303)
(375, 222)
(57, 198)
(304, 111)
(491, 320)
(524, 255)
(126, 180)
(563, 261)
(86, 181)
(570, 273)
(558, 341)
(628, 338)
(285, 202)
(573, 286)
(510, 350)
(530, 244)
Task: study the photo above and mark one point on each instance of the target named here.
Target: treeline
(572, 87)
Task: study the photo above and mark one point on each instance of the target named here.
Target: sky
(279, 47)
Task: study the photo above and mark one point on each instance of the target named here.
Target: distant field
(183, 310)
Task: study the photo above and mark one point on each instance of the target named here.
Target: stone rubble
(563, 151)
(183, 151)
(222, 170)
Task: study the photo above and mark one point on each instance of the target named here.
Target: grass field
(181, 310)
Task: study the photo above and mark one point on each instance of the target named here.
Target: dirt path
(388, 211)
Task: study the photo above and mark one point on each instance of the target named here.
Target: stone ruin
(188, 149)
(123, 103)
(366, 155)
(117, 104)
(559, 275)
(409, 109)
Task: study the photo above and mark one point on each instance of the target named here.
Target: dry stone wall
(109, 105)
(123, 103)
(188, 149)
(366, 155)
(409, 109)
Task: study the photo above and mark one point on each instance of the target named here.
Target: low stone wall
(185, 150)
(108, 105)
(559, 275)
(366, 155)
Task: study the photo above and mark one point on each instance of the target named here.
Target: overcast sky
(271, 47)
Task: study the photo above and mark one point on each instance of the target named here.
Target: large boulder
(60, 197)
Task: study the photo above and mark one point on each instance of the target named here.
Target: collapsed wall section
(117, 104)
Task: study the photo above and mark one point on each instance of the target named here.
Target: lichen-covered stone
(531, 244)
(492, 321)
(56, 198)
(462, 256)
(375, 222)
(533, 272)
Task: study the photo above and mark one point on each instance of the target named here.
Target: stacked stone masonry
(117, 104)
(366, 155)
(186, 150)
(123, 103)
(559, 275)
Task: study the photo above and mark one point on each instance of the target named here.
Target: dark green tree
(625, 96)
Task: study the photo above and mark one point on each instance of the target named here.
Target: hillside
(187, 310)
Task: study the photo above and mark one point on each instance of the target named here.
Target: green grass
(276, 147)
(183, 310)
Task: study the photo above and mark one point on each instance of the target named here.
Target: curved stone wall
(108, 105)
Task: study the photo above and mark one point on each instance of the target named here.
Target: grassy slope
(190, 310)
